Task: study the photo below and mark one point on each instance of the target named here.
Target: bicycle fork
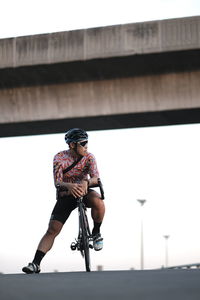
(77, 245)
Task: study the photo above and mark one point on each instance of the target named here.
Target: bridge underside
(102, 69)
(161, 118)
(126, 76)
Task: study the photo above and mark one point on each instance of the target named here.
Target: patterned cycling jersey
(86, 166)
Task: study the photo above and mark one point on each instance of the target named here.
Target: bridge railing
(186, 266)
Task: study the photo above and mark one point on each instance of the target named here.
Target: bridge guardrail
(186, 266)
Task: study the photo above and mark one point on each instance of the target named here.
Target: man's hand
(85, 185)
(77, 190)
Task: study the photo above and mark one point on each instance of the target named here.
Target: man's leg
(44, 246)
(60, 214)
(97, 212)
(47, 240)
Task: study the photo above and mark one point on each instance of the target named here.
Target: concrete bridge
(141, 74)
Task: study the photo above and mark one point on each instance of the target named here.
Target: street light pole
(166, 249)
(142, 202)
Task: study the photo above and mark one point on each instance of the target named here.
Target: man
(70, 184)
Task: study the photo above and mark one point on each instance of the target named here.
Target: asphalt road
(112, 285)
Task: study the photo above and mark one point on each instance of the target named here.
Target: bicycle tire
(85, 239)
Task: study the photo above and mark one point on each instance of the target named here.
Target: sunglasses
(83, 143)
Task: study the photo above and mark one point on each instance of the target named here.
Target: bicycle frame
(84, 235)
(83, 242)
(82, 213)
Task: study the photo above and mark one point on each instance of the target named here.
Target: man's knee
(93, 199)
(98, 203)
(54, 228)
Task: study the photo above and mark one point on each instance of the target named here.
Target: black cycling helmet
(76, 135)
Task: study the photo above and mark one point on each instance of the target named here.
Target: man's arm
(93, 171)
(92, 181)
(74, 189)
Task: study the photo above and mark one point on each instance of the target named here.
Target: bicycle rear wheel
(85, 239)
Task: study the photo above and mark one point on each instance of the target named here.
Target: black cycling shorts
(64, 206)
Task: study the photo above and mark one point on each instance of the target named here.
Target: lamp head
(141, 201)
(166, 236)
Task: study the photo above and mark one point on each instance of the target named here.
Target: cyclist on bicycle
(70, 185)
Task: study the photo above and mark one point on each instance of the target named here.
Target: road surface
(113, 285)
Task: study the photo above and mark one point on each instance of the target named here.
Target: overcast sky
(159, 164)
(22, 17)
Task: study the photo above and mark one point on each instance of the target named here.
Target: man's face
(81, 147)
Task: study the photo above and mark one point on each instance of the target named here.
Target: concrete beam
(111, 41)
(161, 118)
(135, 101)
(137, 94)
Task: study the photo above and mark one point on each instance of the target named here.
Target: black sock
(96, 228)
(38, 257)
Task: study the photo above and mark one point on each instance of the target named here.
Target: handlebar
(100, 185)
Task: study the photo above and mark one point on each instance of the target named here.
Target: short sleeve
(93, 170)
(57, 169)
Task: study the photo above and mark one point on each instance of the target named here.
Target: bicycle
(84, 239)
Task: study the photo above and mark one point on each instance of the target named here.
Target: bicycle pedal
(73, 246)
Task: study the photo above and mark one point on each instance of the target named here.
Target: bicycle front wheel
(85, 239)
